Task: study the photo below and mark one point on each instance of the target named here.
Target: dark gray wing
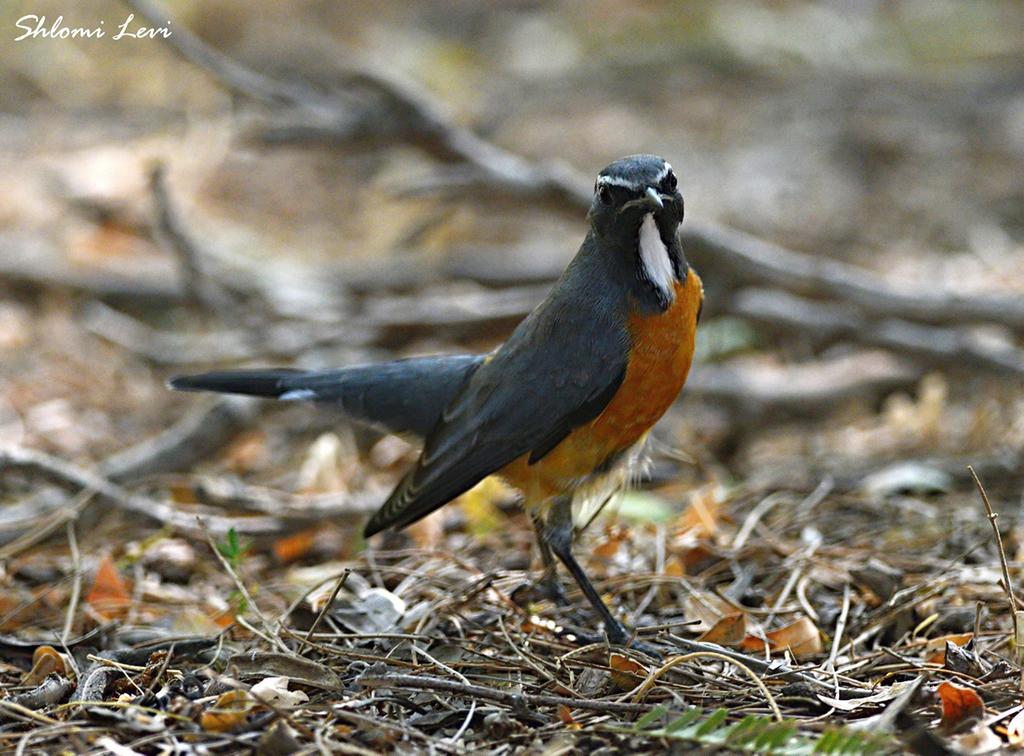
(558, 371)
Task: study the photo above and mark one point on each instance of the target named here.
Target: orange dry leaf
(109, 596)
(247, 452)
(611, 545)
(567, 719)
(801, 638)
(728, 631)
(674, 568)
(295, 546)
(701, 516)
(228, 712)
(626, 673)
(935, 648)
(45, 659)
(182, 493)
(959, 704)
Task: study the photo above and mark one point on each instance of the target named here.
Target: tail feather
(405, 396)
(249, 382)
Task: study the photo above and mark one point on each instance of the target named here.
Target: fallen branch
(282, 339)
(942, 347)
(197, 436)
(65, 474)
(766, 392)
(749, 260)
(372, 679)
(29, 263)
(200, 287)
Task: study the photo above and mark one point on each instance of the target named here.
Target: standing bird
(560, 407)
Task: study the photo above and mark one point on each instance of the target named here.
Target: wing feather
(558, 371)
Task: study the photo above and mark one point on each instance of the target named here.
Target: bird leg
(549, 583)
(558, 535)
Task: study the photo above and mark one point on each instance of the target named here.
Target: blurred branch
(200, 287)
(760, 392)
(28, 263)
(68, 475)
(750, 260)
(196, 437)
(236, 76)
(284, 339)
(942, 347)
(284, 519)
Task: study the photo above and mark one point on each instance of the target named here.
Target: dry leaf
(247, 452)
(295, 546)
(706, 607)
(959, 704)
(274, 690)
(674, 568)
(935, 648)
(330, 464)
(109, 596)
(229, 712)
(612, 543)
(701, 515)
(728, 631)
(802, 638)
(626, 673)
(567, 719)
(45, 659)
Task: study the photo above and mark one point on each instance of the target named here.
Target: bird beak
(654, 198)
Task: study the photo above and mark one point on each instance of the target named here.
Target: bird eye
(605, 194)
(668, 184)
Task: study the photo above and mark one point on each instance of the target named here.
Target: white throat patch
(654, 257)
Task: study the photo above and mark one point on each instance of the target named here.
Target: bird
(564, 405)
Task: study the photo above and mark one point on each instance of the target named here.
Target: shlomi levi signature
(34, 26)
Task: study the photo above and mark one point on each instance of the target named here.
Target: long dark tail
(405, 396)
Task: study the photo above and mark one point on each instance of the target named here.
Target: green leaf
(680, 722)
(651, 717)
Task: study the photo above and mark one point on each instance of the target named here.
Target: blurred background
(323, 183)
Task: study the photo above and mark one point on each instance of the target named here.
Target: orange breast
(660, 357)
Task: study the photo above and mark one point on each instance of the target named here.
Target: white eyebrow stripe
(619, 181)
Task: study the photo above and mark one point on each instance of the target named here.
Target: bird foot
(613, 636)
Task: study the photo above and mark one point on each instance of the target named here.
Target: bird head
(634, 218)
(631, 188)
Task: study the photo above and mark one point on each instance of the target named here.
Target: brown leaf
(295, 546)
(728, 631)
(701, 516)
(802, 638)
(959, 705)
(567, 719)
(109, 596)
(935, 648)
(247, 452)
(674, 568)
(45, 659)
(229, 712)
(612, 543)
(626, 673)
